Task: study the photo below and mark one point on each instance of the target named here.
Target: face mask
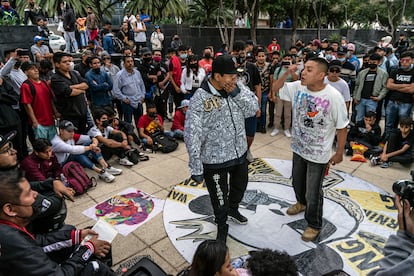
(96, 70)
(105, 123)
(194, 66)
(328, 57)
(207, 55)
(372, 66)
(348, 54)
(72, 65)
(40, 205)
(408, 68)
(157, 59)
(18, 63)
(365, 64)
(147, 59)
(183, 56)
(342, 59)
(152, 114)
(240, 59)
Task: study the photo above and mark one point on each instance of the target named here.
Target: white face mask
(72, 65)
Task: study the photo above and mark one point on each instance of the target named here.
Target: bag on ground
(164, 143)
(77, 178)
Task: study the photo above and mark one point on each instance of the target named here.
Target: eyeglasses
(8, 149)
(333, 70)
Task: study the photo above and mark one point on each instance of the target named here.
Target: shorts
(250, 125)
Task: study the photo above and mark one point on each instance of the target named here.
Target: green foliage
(9, 21)
(159, 9)
(334, 37)
(203, 13)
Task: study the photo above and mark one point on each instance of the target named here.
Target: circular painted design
(358, 217)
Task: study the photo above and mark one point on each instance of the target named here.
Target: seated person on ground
(51, 192)
(123, 126)
(366, 132)
(70, 146)
(116, 145)
(179, 118)
(398, 147)
(25, 254)
(150, 124)
(42, 163)
(271, 262)
(212, 258)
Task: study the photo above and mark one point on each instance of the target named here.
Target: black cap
(224, 64)
(27, 65)
(249, 42)
(23, 52)
(4, 139)
(375, 56)
(67, 125)
(335, 63)
(145, 51)
(342, 50)
(379, 48)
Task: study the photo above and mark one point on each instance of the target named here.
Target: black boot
(222, 231)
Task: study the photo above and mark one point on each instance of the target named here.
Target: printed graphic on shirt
(357, 220)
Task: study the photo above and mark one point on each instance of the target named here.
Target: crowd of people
(319, 94)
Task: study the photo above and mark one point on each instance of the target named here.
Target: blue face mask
(407, 68)
(328, 57)
(183, 56)
(342, 59)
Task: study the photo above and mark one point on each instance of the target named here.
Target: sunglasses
(333, 70)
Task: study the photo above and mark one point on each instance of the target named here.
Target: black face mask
(193, 65)
(207, 55)
(105, 123)
(96, 70)
(17, 64)
(240, 59)
(365, 64)
(40, 206)
(152, 114)
(372, 66)
(147, 59)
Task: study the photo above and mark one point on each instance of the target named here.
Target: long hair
(189, 60)
(208, 258)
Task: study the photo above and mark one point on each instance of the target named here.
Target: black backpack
(118, 44)
(144, 267)
(163, 143)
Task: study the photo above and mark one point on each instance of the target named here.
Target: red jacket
(176, 70)
(178, 121)
(37, 169)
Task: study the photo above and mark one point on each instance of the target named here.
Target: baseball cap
(145, 51)
(351, 47)
(23, 52)
(316, 42)
(67, 125)
(224, 64)
(379, 48)
(4, 139)
(342, 50)
(335, 64)
(37, 38)
(27, 65)
(184, 103)
(325, 40)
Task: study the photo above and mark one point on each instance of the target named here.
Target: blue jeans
(395, 111)
(364, 106)
(84, 160)
(262, 120)
(178, 134)
(307, 178)
(128, 111)
(70, 41)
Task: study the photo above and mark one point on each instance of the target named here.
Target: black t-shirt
(401, 77)
(368, 84)
(250, 76)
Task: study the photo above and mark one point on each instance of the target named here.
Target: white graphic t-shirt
(315, 118)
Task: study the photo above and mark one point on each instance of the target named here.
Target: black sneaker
(236, 217)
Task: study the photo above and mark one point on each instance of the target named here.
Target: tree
(203, 12)
(158, 9)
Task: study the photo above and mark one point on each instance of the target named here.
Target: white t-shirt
(95, 132)
(315, 118)
(141, 36)
(341, 86)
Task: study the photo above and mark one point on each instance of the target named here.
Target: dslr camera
(405, 189)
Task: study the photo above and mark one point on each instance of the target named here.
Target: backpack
(76, 177)
(118, 44)
(164, 143)
(144, 267)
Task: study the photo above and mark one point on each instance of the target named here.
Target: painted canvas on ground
(358, 218)
(127, 210)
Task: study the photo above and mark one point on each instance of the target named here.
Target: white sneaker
(287, 133)
(249, 156)
(106, 176)
(124, 161)
(275, 132)
(113, 171)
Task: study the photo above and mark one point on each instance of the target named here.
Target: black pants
(79, 123)
(394, 144)
(225, 194)
(107, 152)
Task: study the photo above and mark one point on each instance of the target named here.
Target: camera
(405, 189)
